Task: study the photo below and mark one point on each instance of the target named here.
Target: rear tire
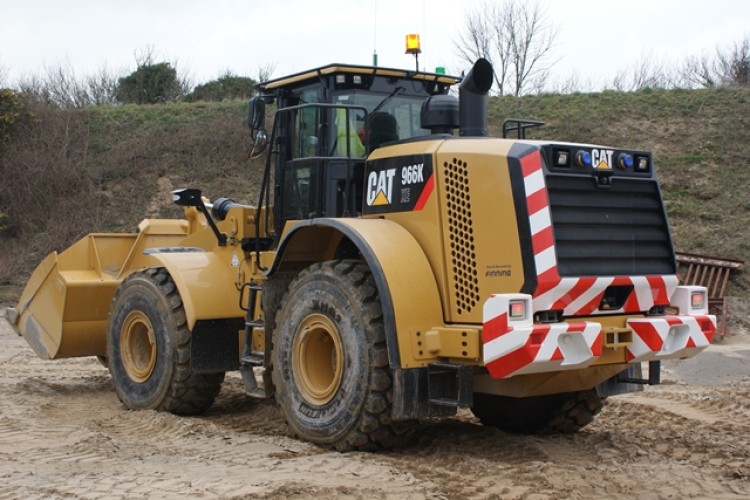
(148, 348)
(330, 362)
(555, 413)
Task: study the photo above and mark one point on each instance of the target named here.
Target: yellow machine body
(434, 267)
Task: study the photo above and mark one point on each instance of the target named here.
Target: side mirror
(256, 120)
(187, 197)
(256, 113)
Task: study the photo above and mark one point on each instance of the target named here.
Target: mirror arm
(193, 198)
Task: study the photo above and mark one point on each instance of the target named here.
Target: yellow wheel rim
(317, 359)
(138, 346)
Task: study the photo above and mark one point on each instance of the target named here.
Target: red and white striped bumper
(679, 336)
(669, 337)
(516, 346)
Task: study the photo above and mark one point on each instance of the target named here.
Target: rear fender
(406, 284)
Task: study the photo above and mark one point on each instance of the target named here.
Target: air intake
(439, 114)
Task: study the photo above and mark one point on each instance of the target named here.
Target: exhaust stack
(472, 100)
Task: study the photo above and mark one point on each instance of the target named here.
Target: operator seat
(383, 128)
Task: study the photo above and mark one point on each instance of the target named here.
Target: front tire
(564, 413)
(330, 360)
(148, 348)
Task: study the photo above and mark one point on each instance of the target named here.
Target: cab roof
(333, 69)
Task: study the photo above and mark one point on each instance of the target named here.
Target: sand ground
(64, 434)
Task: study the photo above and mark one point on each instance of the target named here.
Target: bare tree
(573, 82)
(733, 66)
(101, 87)
(646, 72)
(478, 41)
(698, 71)
(145, 56)
(3, 75)
(59, 86)
(265, 71)
(727, 67)
(516, 37)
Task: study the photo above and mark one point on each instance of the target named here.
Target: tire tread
(189, 393)
(374, 428)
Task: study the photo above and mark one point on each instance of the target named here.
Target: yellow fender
(206, 282)
(406, 283)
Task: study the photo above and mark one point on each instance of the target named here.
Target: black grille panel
(461, 227)
(621, 230)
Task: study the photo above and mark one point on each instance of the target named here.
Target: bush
(227, 87)
(150, 84)
(13, 110)
(44, 184)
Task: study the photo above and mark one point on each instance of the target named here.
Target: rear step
(450, 384)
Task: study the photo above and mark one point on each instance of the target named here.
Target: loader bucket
(63, 310)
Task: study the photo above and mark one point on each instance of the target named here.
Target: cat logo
(380, 187)
(601, 159)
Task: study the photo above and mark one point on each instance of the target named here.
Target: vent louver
(463, 263)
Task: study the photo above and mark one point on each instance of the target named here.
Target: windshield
(397, 118)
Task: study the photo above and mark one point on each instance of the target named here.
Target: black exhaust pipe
(472, 100)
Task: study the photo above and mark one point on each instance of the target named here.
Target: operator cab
(327, 121)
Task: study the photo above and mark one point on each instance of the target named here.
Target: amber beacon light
(413, 47)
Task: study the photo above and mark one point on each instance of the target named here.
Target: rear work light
(517, 309)
(641, 164)
(698, 300)
(690, 300)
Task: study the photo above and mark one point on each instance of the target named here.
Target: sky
(205, 39)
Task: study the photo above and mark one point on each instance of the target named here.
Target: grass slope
(104, 169)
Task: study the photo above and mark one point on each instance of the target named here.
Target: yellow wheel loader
(400, 264)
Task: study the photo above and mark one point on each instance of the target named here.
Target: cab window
(305, 132)
(396, 119)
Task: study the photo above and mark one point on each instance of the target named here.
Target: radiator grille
(603, 232)
(461, 230)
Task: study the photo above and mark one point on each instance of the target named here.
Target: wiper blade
(397, 90)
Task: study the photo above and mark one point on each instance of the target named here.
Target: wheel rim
(138, 346)
(317, 359)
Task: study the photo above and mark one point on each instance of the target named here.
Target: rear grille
(461, 230)
(603, 232)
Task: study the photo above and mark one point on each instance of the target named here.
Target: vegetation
(516, 37)
(69, 172)
(150, 84)
(227, 87)
(13, 110)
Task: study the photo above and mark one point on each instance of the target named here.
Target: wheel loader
(400, 264)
